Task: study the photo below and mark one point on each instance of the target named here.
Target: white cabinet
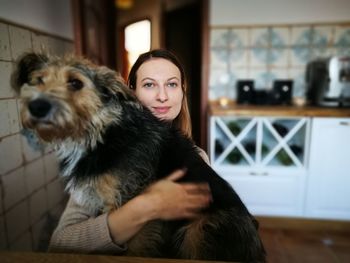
(264, 159)
(328, 194)
(296, 167)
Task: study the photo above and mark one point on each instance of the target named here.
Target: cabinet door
(278, 193)
(263, 158)
(328, 194)
(255, 142)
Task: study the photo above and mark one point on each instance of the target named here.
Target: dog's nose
(39, 108)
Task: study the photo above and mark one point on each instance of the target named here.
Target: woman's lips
(161, 110)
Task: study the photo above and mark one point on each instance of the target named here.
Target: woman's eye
(172, 84)
(75, 84)
(148, 85)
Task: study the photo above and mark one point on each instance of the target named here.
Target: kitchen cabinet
(328, 194)
(264, 159)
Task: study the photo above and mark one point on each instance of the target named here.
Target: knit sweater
(79, 231)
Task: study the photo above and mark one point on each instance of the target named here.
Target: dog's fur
(111, 148)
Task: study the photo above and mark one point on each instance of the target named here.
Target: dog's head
(67, 97)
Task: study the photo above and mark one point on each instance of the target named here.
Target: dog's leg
(148, 242)
(223, 235)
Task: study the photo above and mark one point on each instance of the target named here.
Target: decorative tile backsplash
(31, 192)
(266, 53)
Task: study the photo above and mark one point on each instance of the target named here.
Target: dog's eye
(36, 81)
(75, 84)
(39, 80)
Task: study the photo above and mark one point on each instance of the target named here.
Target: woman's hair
(183, 120)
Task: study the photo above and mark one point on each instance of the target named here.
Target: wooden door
(185, 33)
(94, 30)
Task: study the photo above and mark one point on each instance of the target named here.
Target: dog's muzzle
(39, 108)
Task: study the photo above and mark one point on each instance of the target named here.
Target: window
(137, 40)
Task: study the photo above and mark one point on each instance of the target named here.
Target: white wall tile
(14, 187)
(40, 235)
(8, 117)
(218, 38)
(259, 37)
(5, 52)
(299, 84)
(55, 192)
(20, 41)
(219, 58)
(23, 243)
(279, 57)
(37, 205)
(341, 34)
(17, 220)
(30, 152)
(51, 166)
(10, 153)
(56, 46)
(323, 35)
(5, 74)
(243, 35)
(238, 57)
(34, 175)
(283, 35)
(69, 47)
(3, 242)
(1, 195)
(40, 42)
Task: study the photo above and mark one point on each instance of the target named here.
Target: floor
(307, 244)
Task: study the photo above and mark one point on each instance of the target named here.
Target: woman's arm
(163, 200)
(79, 231)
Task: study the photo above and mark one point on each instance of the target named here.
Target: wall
(31, 193)
(268, 40)
(253, 12)
(47, 16)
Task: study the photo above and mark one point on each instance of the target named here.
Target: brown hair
(183, 120)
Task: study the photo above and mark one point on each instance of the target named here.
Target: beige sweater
(82, 232)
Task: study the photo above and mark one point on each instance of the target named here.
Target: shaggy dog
(111, 148)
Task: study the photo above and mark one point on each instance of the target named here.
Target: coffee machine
(328, 81)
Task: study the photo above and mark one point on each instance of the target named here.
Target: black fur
(236, 239)
(26, 65)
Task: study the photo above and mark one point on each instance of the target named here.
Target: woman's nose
(162, 94)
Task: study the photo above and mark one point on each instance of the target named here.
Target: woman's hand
(172, 200)
(165, 199)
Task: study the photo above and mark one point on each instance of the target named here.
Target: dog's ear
(112, 86)
(25, 65)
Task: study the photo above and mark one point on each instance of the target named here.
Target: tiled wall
(31, 193)
(265, 53)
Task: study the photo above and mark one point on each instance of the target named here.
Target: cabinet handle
(344, 123)
(259, 174)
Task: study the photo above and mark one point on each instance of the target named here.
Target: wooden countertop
(261, 110)
(24, 257)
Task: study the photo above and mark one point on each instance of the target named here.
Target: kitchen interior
(269, 94)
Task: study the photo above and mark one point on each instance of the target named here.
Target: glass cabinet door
(234, 141)
(245, 141)
(284, 140)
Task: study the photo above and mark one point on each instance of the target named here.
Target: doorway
(182, 35)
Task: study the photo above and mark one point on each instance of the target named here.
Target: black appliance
(280, 94)
(328, 81)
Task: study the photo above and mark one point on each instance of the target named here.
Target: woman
(158, 81)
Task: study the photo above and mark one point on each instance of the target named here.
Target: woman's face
(159, 88)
